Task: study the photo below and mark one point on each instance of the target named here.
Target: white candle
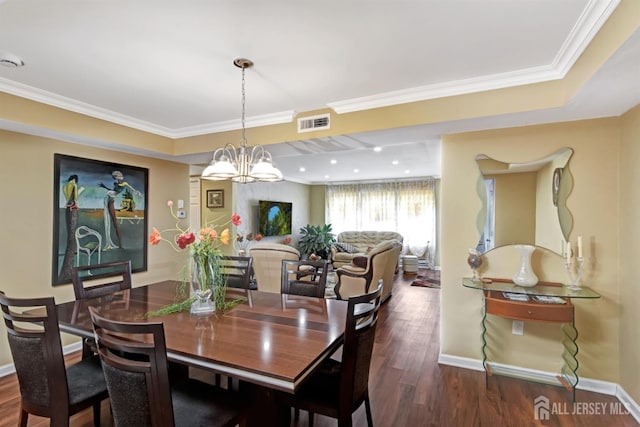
(579, 246)
(568, 251)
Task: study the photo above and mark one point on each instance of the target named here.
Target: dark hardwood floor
(409, 388)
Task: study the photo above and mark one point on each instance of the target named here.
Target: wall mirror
(525, 203)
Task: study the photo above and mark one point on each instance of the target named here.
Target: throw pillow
(346, 247)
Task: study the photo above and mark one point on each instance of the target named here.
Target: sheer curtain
(408, 207)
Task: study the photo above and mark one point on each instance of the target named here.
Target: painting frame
(215, 198)
(100, 212)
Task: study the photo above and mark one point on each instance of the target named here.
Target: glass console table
(545, 302)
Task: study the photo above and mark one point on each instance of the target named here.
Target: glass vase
(202, 284)
(525, 276)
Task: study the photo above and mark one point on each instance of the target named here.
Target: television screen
(274, 217)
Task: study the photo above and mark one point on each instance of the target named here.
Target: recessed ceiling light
(302, 169)
(334, 161)
(377, 149)
(395, 162)
(356, 170)
(407, 171)
(326, 177)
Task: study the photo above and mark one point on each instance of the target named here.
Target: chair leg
(367, 407)
(87, 348)
(296, 413)
(345, 422)
(96, 414)
(24, 416)
(311, 417)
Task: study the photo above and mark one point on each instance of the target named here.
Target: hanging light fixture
(241, 164)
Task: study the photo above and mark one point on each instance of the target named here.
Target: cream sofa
(363, 275)
(359, 243)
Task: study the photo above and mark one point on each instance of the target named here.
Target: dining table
(270, 339)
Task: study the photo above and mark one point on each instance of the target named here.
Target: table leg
(265, 410)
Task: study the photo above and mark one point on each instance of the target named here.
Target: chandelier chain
(244, 138)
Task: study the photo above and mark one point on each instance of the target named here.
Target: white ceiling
(166, 67)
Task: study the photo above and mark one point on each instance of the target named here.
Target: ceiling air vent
(308, 124)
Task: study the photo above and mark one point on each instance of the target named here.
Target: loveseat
(350, 244)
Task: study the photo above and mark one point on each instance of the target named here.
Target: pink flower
(155, 237)
(258, 237)
(287, 240)
(236, 220)
(170, 203)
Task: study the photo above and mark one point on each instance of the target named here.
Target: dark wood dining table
(271, 340)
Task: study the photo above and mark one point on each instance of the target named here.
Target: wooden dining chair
(47, 388)
(338, 388)
(96, 280)
(303, 277)
(237, 270)
(134, 360)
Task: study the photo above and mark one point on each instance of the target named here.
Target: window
(407, 207)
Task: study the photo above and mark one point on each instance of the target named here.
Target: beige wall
(317, 204)
(217, 216)
(26, 163)
(597, 146)
(629, 244)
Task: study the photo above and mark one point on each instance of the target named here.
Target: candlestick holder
(574, 276)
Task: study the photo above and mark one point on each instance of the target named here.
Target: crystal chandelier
(242, 164)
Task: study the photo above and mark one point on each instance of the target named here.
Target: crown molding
(55, 100)
(593, 17)
(442, 90)
(589, 23)
(250, 122)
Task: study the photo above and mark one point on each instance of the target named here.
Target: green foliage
(182, 300)
(316, 239)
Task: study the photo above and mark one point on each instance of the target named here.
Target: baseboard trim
(587, 384)
(67, 349)
(628, 402)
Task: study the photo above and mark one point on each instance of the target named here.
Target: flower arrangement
(205, 250)
(243, 242)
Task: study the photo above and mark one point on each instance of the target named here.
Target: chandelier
(242, 164)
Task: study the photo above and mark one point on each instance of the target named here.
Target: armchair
(267, 264)
(380, 263)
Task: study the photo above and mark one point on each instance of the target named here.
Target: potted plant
(316, 239)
